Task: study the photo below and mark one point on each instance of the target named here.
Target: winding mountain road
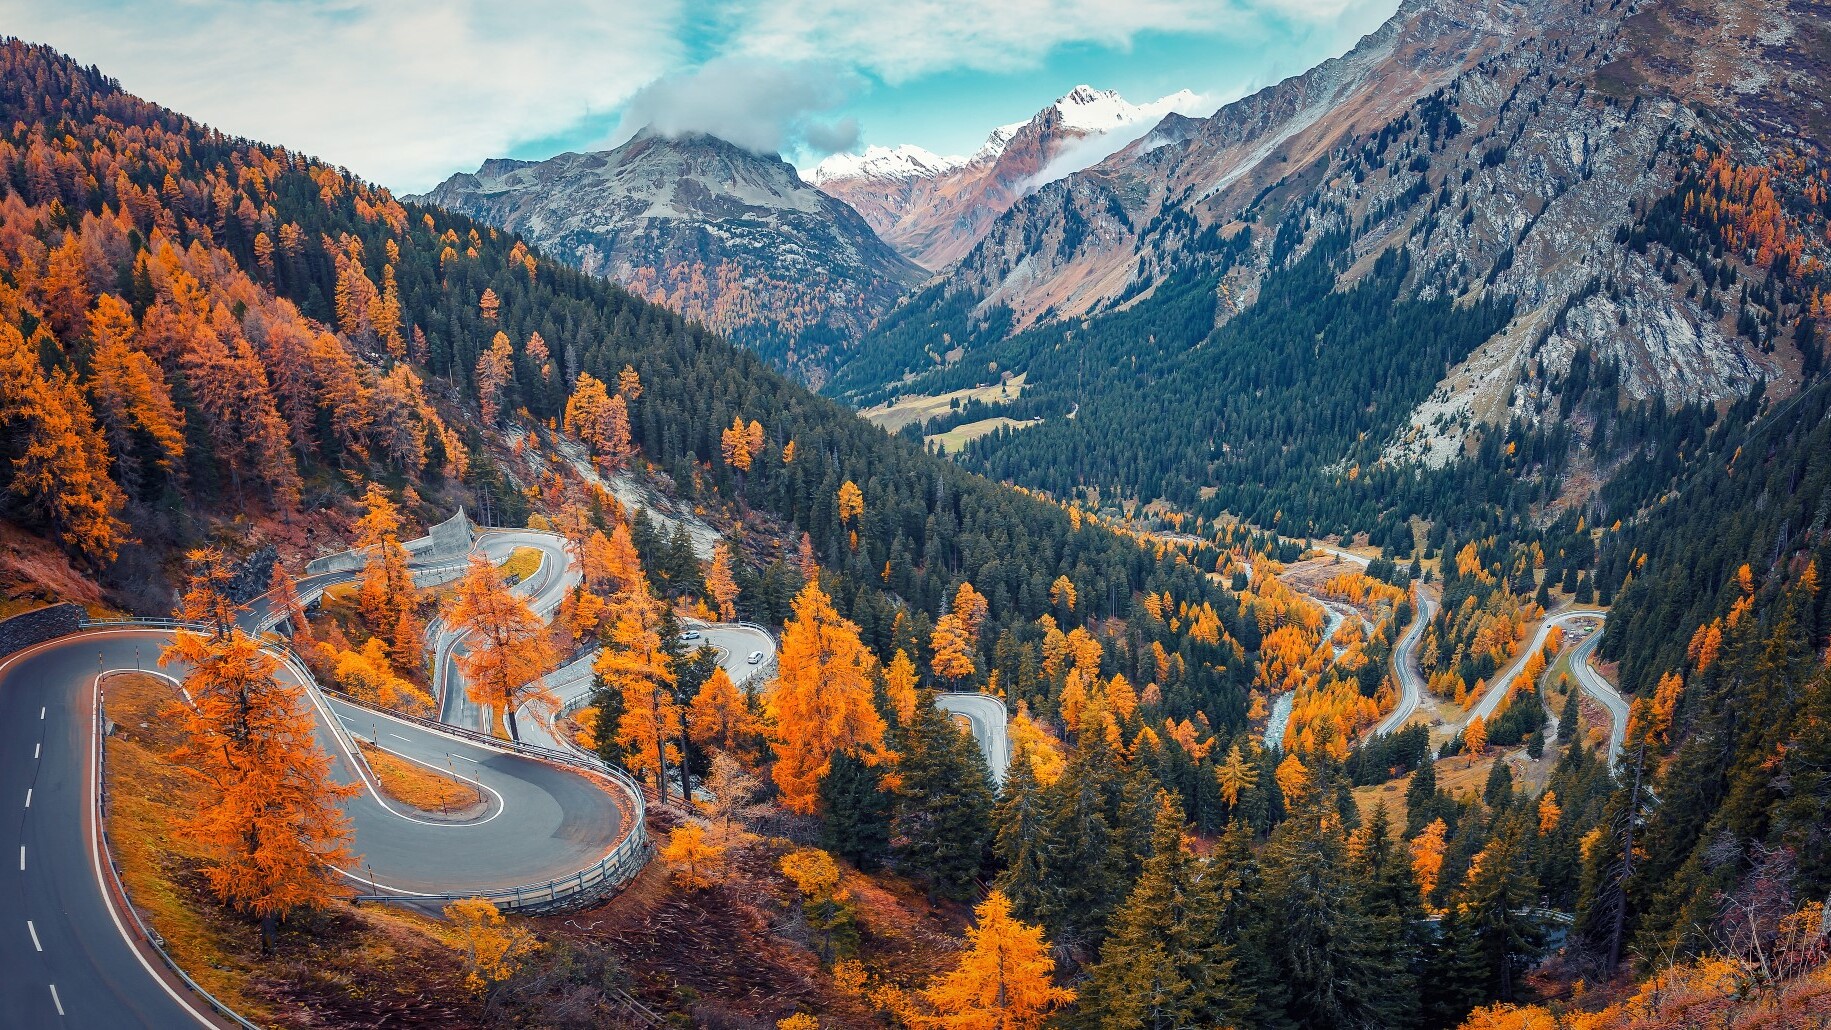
(1588, 679)
(1405, 664)
(1593, 684)
(68, 953)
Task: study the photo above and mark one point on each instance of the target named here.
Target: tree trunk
(508, 714)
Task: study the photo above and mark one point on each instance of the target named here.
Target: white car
(691, 634)
(756, 658)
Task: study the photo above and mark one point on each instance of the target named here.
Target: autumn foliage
(822, 700)
(507, 647)
(272, 825)
(1005, 980)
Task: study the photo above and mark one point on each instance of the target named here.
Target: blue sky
(406, 92)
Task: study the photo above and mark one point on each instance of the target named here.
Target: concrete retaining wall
(449, 539)
(38, 626)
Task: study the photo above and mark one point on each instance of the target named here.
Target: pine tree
(1021, 820)
(855, 812)
(1567, 722)
(943, 804)
(1378, 860)
(1084, 860)
(1319, 929)
(1164, 964)
(1494, 899)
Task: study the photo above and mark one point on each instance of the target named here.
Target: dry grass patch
(892, 417)
(411, 783)
(522, 563)
(960, 436)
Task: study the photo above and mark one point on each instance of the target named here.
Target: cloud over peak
(763, 106)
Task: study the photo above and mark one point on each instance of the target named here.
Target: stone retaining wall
(38, 626)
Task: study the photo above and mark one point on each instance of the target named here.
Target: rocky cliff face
(728, 237)
(1531, 151)
(934, 209)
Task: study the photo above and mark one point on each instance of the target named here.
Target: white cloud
(401, 91)
(903, 39)
(764, 106)
(1091, 150)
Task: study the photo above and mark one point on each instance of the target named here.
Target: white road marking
(397, 736)
(28, 797)
(56, 1001)
(36, 748)
(22, 858)
(34, 930)
(41, 712)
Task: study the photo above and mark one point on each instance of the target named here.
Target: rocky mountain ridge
(731, 238)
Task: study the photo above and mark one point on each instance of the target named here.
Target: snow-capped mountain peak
(1096, 110)
(933, 209)
(907, 161)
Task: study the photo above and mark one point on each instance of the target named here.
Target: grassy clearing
(342, 966)
(892, 417)
(960, 436)
(417, 786)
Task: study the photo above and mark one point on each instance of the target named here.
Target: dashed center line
(34, 932)
(36, 749)
(22, 858)
(41, 712)
(28, 797)
(55, 1000)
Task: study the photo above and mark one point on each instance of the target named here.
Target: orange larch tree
(272, 828)
(720, 718)
(600, 420)
(386, 594)
(131, 398)
(822, 702)
(900, 687)
(61, 468)
(734, 444)
(508, 647)
(635, 663)
(720, 584)
(495, 368)
(1005, 979)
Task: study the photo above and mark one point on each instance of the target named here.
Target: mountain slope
(1649, 240)
(724, 236)
(934, 209)
(302, 330)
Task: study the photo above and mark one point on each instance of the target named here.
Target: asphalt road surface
(1405, 664)
(1599, 688)
(987, 718)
